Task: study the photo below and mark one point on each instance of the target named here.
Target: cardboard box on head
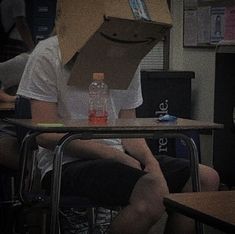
(111, 36)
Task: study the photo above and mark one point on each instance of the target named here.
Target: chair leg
(32, 221)
(44, 223)
(91, 220)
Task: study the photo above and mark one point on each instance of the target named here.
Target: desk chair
(9, 206)
(32, 200)
(8, 178)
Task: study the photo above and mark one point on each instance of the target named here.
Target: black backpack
(4, 35)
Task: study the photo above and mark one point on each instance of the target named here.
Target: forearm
(4, 97)
(138, 148)
(88, 149)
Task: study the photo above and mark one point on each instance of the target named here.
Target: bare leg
(145, 208)
(176, 223)
(9, 153)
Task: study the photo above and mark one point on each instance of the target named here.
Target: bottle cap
(98, 76)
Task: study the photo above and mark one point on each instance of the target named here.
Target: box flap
(116, 49)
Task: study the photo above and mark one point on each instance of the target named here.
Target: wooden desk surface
(7, 106)
(213, 208)
(131, 125)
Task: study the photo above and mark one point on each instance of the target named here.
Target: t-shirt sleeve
(39, 79)
(18, 8)
(132, 97)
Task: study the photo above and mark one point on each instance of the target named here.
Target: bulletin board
(207, 22)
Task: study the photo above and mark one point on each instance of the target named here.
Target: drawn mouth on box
(115, 38)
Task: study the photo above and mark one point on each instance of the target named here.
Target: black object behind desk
(167, 92)
(41, 17)
(224, 108)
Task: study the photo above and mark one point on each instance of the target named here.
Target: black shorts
(110, 182)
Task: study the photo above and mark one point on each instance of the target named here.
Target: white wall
(202, 62)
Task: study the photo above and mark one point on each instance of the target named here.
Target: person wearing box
(101, 169)
(114, 172)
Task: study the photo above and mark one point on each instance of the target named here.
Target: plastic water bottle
(98, 98)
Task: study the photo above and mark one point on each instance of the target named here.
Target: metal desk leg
(24, 149)
(56, 179)
(194, 162)
(55, 193)
(193, 152)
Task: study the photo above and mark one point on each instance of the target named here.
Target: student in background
(10, 74)
(13, 19)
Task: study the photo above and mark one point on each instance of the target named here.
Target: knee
(155, 187)
(150, 211)
(150, 202)
(209, 178)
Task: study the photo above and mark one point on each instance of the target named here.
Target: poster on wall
(203, 27)
(211, 2)
(190, 4)
(229, 27)
(217, 24)
(190, 26)
(208, 23)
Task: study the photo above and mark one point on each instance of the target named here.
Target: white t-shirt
(45, 79)
(10, 9)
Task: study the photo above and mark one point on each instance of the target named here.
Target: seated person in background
(10, 74)
(101, 169)
(13, 18)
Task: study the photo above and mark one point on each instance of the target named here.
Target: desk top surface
(138, 124)
(7, 106)
(214, 208)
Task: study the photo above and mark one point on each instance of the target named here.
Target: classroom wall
(202, 62)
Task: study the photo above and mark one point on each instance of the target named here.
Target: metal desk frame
(96, 134)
